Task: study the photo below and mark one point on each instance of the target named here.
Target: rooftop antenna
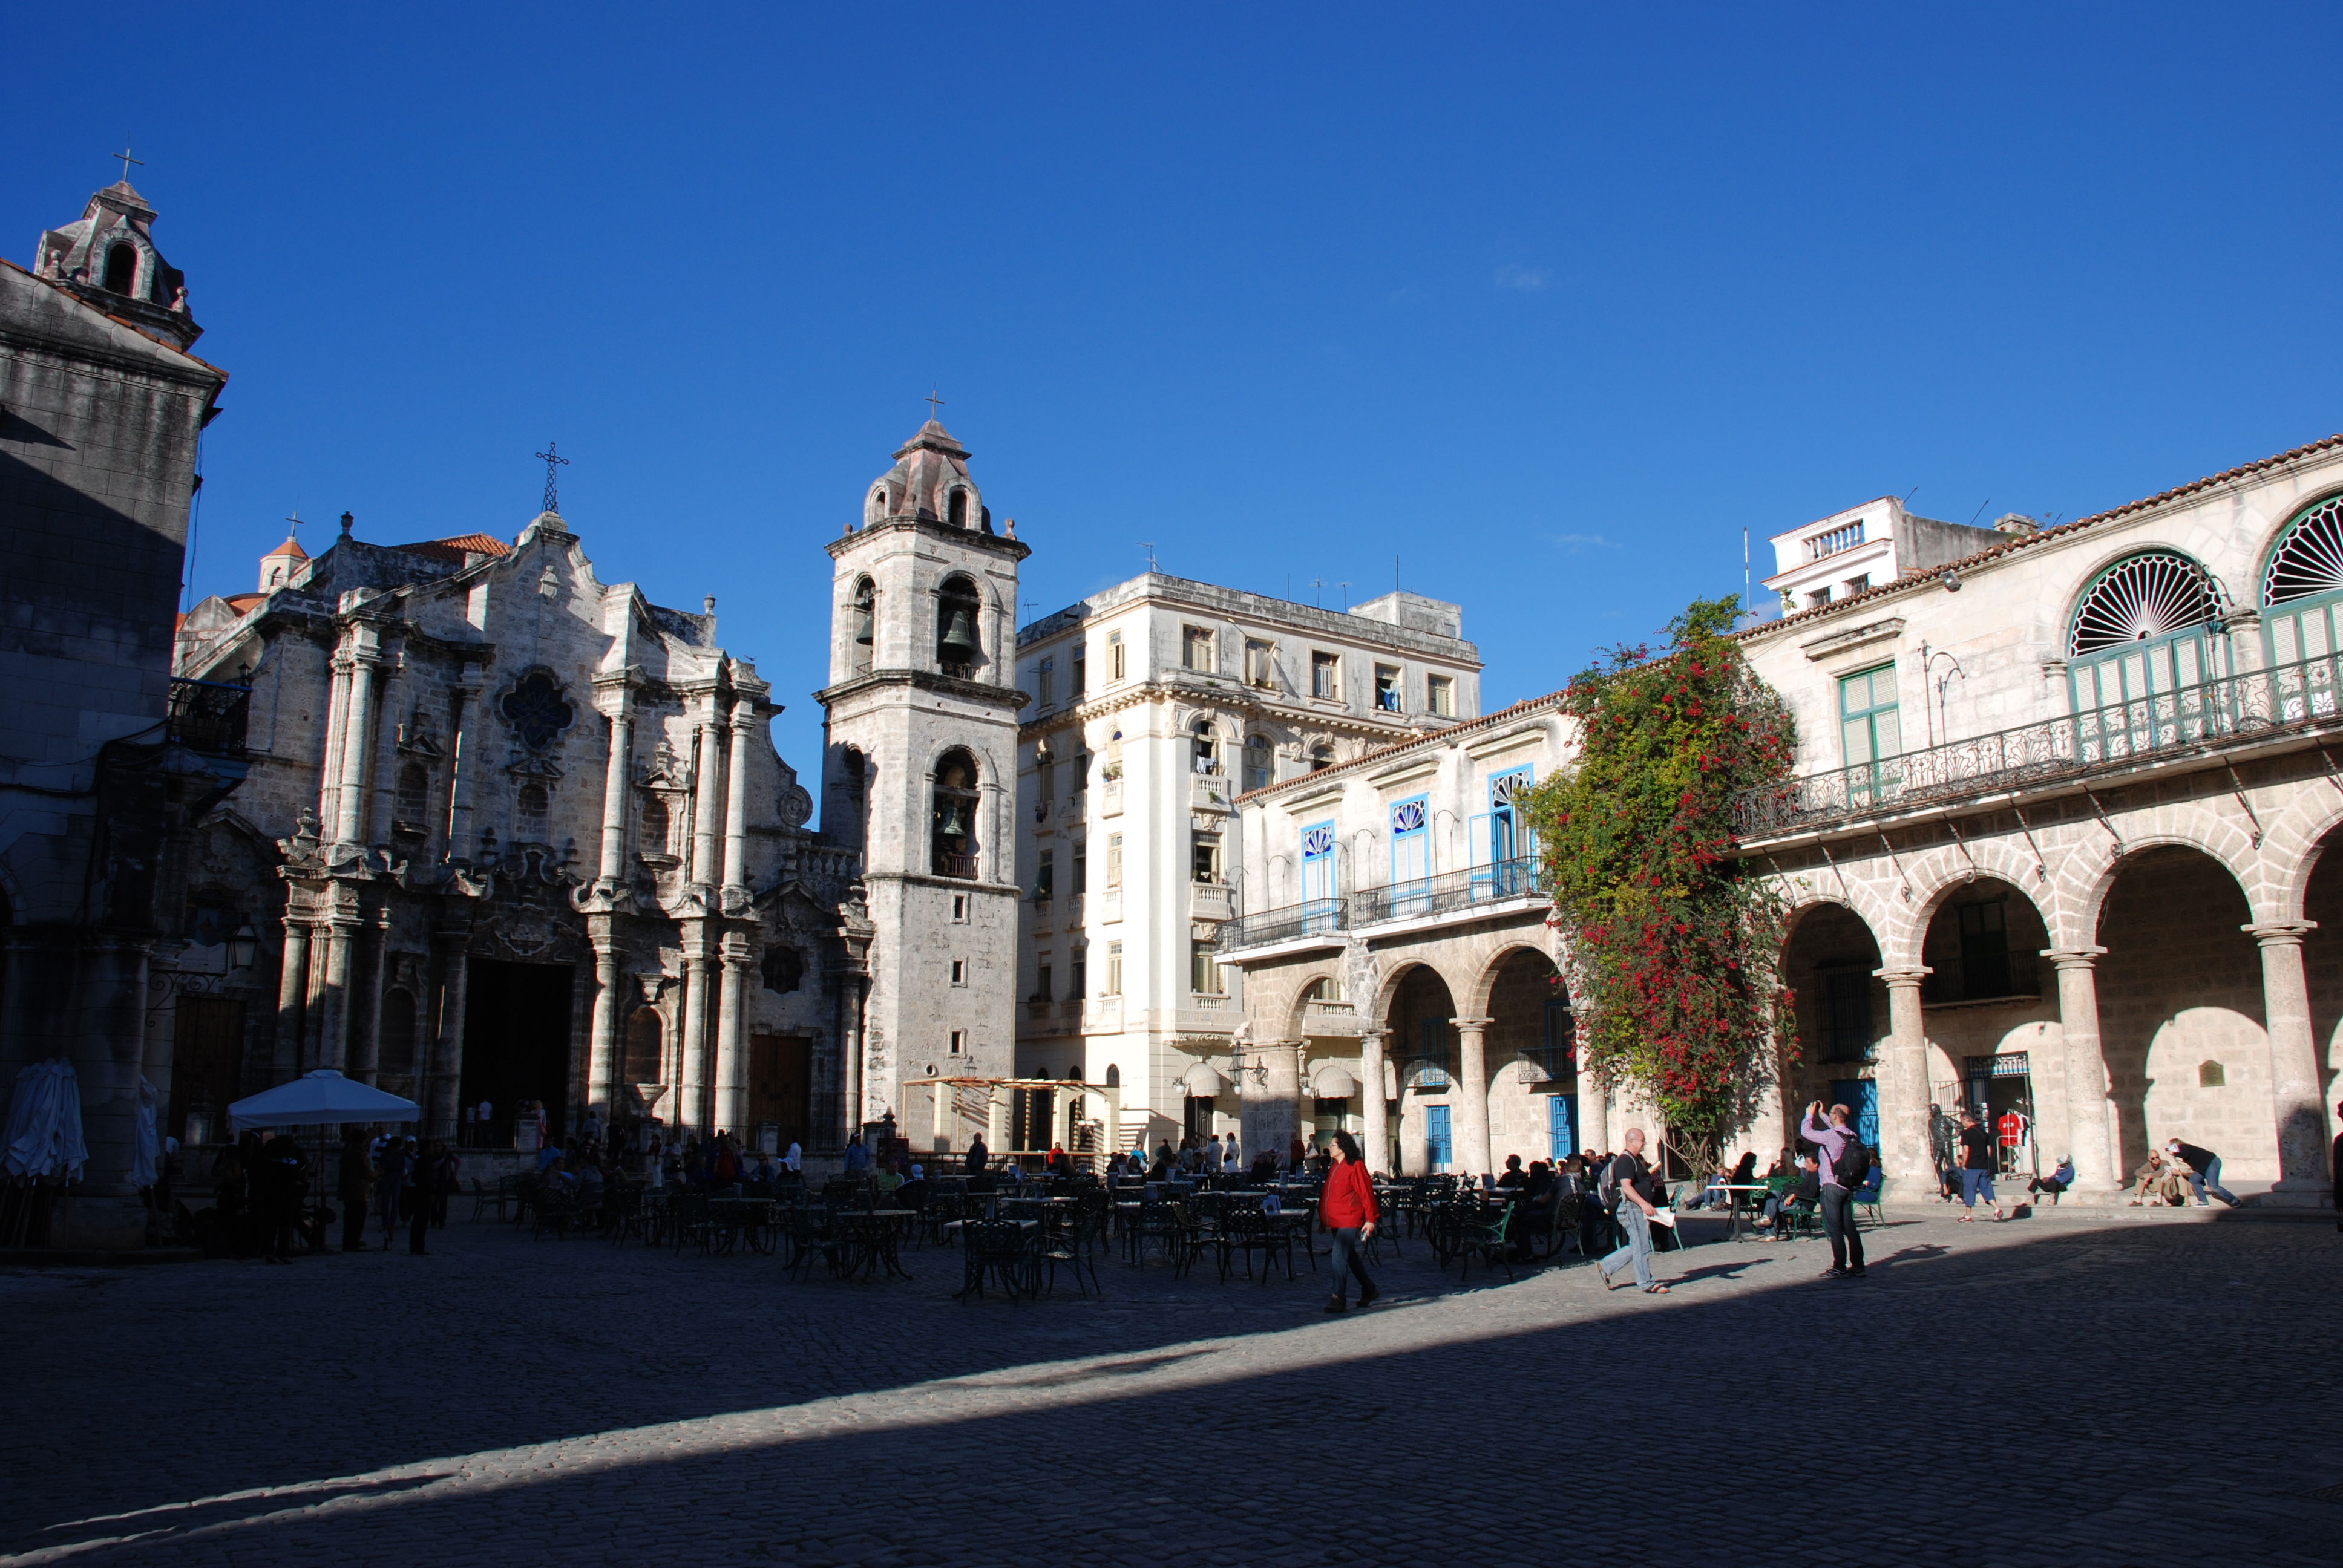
(126, 159)
(1346, 596)
(1909, 493)
(1980, 511)
(1395, 587)
(1745, 588)
(1317, 592)
(1149, 546)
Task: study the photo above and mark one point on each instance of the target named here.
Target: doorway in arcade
(517, 1039)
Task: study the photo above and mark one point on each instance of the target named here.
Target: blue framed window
(1317, 862)
(1438, 1149)
(1411, 840)
(1562, 1127)
(1505, 840)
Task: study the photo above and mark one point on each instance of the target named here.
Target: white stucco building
(1154, 704)
(2058, 842)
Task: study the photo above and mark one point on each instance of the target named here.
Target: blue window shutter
(1436, 1128)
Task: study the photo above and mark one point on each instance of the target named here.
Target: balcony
(1448, 893)
(1209, 791)
(1335, 1019)
(208, 717)
(2203, 721)
(1208, 900)
(1318, 917)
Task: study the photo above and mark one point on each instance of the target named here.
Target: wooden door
(780, 1086)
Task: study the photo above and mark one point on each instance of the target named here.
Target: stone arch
(2292, 849)
(1475, 997)
(2275, 539)
(1296, 995)
(1941, 872)
(1394, 976)
(2082, 890)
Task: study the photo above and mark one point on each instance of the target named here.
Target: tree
(1673, 954)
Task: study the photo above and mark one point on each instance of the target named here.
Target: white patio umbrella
(318, 1098)
(45, 1138)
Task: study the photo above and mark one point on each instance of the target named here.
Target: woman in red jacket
(1347, 1209)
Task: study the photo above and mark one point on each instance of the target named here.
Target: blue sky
(1548, 303)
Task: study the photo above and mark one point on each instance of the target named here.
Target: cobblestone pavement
(2055, 1393)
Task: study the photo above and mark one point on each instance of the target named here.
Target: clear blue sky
(1548, 303)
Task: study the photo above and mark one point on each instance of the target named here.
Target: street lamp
(243, 947)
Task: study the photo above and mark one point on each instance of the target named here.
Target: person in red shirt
(1347, 1209)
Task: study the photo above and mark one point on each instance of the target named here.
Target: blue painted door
(1861, 1096)
(1562, 1127)
(1435, 1136)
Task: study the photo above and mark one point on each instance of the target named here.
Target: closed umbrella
(44, 1124)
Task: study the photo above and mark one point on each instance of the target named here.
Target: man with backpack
(1844, 1163)
(1633, 1194)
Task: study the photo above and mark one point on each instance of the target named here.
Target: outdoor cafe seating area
(1018, 1234)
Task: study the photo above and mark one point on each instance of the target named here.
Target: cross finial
(933, 402)
(126, 160)
(293, 528)
(554, 462)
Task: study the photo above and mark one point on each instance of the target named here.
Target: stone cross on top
(554, 462)
(933, 402)
(126, 160)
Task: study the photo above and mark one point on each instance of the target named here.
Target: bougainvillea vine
(1672, 953)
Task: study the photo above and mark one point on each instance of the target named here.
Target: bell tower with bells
(919, 774)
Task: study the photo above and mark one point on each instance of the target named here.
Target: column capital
(1897, 979)
(1471, 1022)
(2075, 958)
(2280, 933)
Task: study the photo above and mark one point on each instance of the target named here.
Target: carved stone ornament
(795, 808)
(536, 709)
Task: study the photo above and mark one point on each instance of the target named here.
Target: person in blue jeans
(1976, 1167)
(1631, 1179)
(2204, 1173)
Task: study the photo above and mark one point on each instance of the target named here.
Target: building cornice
(1006, 697)
(944, 533)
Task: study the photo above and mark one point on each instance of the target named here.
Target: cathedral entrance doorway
(517, 1038)
(781, 1090)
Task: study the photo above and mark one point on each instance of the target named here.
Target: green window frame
(1870, 725)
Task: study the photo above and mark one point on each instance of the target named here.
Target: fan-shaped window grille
(2308, 560)
(2141, 600)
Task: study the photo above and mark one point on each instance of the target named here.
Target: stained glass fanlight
(2141, 600)
(2308, 561)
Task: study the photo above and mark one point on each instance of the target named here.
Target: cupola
(109, 258)
(280, 565)
(928, 484)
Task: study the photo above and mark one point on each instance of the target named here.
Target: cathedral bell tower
(920, 772)
(109, 258)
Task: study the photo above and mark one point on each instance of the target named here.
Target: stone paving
(2062, 1391)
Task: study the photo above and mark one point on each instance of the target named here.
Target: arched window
(413, 807)
(1321, 757)
(394, 1057)
(2305, 576)
(1207, 750)
(865, 621)
(646, 1046)
(957, 644)
(121, 269)
(2141, 629)
(1259, 763)
(531, 806)
(957, 512)
(952, 816)
(654, 826)
(1325, 988)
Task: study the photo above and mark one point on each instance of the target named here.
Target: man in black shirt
(1632, 1184)
(1976, 1167)
(2204, 1173)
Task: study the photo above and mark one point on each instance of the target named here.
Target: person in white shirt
(1230, 1159)
(1212, 1156)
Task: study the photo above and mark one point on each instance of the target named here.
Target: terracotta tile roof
(291, 549)
(1933, 574)
(454, 548)
(1521, 709)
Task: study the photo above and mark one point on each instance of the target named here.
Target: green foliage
(1673, 955)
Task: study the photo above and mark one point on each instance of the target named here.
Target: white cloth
(793, 1157)
(44, 1124)
(146, 1147)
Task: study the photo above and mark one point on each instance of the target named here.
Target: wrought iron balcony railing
(1316, 916)
(2232, 710)
(208, 717)
(1447, 892)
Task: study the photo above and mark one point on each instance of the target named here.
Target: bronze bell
(953, 827)
(960, 637)
(864, 622)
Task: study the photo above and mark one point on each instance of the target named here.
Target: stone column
(736, 806)
(2089, 1114)
(603, 1051)
(1372, 1120)
(705, 821)
(853, 991)
(357, 742)
(1271, 1098)
(691, 1092)
(464, 715)
(618, 781)
(1904, 1085)
(2300, 1107)
(365, 1053)
(292, 991)
(1472, 1130)
(731, 1051)
(446, 1078)
(939, 1115)
(338, 740)
(334, 1037)
(385, 768)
